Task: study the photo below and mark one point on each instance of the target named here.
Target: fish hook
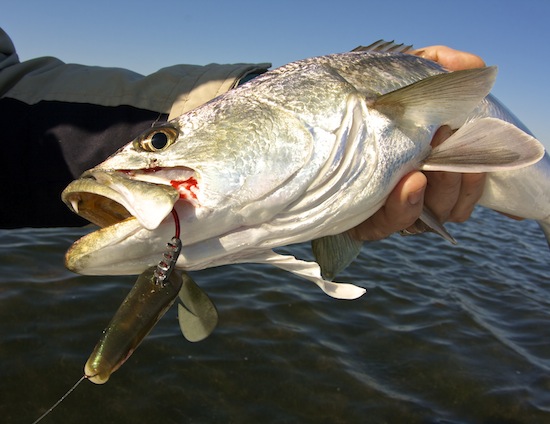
(170, 256)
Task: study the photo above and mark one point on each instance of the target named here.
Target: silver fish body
(305, 151)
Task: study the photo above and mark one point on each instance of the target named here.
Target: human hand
(451, 59)
(450, 196)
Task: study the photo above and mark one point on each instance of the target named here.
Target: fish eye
(159, 140)
(156, 139)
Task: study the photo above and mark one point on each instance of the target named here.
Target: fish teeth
(74, 204)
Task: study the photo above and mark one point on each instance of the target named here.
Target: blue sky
(145, 36)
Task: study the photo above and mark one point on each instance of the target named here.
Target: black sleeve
(47, 145)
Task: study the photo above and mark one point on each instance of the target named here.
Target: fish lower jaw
(123, 248)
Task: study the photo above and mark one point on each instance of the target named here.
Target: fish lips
(109, 197)
(124, 208)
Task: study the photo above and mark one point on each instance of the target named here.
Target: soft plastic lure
(153, 293)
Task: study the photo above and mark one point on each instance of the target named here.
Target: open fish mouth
(88, 199)
(124, 204)
(106, 198)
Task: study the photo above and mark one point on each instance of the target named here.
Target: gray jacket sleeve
(59, 119)
(173, 90)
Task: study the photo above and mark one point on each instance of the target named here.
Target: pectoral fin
(485, 145)
(441, 99)
(197, 314)
(335, 253)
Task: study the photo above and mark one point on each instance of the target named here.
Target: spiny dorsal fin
(382, 46)
(437, 100)
(485, 145)
(335, 253)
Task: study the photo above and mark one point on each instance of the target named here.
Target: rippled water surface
(445, 334)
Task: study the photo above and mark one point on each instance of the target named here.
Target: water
(445, 334)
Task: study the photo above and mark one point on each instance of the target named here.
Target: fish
(302, 153)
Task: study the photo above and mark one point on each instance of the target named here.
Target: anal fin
(545, 225)
(428, 223)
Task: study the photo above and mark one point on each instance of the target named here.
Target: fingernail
(415, 197)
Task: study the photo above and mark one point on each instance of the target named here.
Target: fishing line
(154, 123)
(61, 399)
(177, 222)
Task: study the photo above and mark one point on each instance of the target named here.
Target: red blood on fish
(186, 188)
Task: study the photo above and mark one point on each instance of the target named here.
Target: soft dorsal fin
(382, 46)
(485, 145)
(437, 100)
(335, 253)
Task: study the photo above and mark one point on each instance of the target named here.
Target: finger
(453, 60)
(442, 193)
(517, 218)
(471, 189)
(442, 134)
(443, 189)
(401, 210)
